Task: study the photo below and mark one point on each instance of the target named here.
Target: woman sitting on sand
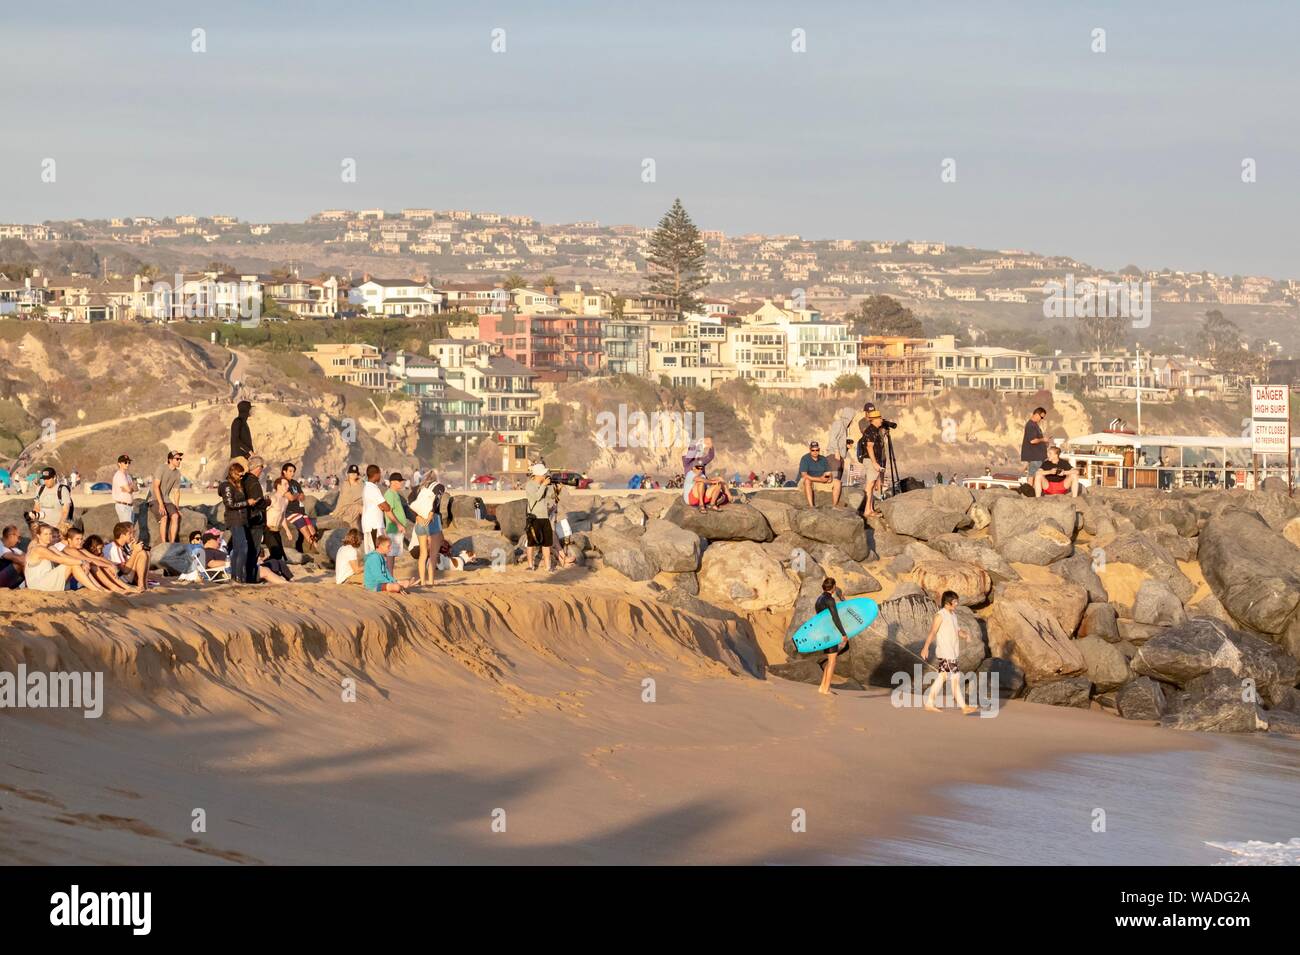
(48, 569)
(76, 544)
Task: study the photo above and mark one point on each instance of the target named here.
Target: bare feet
(968, 710)
(931, 708)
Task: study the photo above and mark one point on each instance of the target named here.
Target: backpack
(72, 507)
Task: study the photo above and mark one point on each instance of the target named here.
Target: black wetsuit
(827, 602)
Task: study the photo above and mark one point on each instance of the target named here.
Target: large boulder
(1014, 516)
(1079, 569)
(1141, 699)
(1064, 601)
(1071, 691)
(1252, 569)
(94, 520)
(191, 520)
(914, 515)
(623, 554)
(977, 552)
(486, 545)
(1031, 637)
(734, 522)
(1180, 654)
(779, 514)
(1222, 711)
(842, 528)
(743, 576)
(1108, 669)
(1156, 604)
(1100, 620)
(671, 548)
(882, 542)
(849, 575)
(512, 518)
(969, 582)
(175, 558)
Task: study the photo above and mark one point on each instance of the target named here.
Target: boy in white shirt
(375, 511)
(946, 633)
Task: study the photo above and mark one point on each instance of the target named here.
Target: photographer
(871, 453)
(538, 532)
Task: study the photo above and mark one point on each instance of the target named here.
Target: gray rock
(734, 522)
(1107, 667)
(671, 548)
(512, 518)
(913, 515)
(977, 552)
(837, 526)
(1221, 712)
(622, 553)
(852, 579)
(1138, 633)
(1032, 638)
(174, 557)
(1282, 723)
(1253, 570)
(1100, 620)
(1072, 691)
(1180, 654)
(1141, 699)
(883, 542)
(1156, 604)
(1010, 678)
(1078, 569)
(1014, 516)
(779, 514)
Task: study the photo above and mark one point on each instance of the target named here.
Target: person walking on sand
(946, 633)
(826, 601)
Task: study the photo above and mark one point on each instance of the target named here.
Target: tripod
(891, 461)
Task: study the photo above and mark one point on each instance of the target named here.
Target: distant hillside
(101, 390)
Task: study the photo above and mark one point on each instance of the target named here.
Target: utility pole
(1139, 387)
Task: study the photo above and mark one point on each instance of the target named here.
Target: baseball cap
(47, 473)
(874, 414)
(353, 469)
(124, 459)
(537, 470)
(814, 446)
(396, 476)
(868, 407)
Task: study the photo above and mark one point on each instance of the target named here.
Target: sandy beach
(502, 697)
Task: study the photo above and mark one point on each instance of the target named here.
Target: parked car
(100, 487)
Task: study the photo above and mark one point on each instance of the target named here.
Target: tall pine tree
(676, 259)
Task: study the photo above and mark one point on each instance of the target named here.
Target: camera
(889, 425)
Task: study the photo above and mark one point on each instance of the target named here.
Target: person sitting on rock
(705, 492)
(946, 633)
(815, 469)
(1056, 476)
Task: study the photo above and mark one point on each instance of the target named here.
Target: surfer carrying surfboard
(946, 634)
(826, 601)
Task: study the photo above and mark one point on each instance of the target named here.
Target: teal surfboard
(820, 632)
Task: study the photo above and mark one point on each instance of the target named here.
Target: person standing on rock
(871, 454)
(946, 633)
(826, 601)
(241, 438)
(166, 494)
(1033, 444)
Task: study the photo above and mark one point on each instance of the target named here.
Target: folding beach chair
(199, 571)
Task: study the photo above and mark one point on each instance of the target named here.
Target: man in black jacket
(241, 438)
(256, 515)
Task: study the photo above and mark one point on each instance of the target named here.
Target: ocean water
(1237, 803)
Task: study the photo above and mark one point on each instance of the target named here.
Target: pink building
(561, 342)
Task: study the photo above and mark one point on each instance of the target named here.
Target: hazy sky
(1132, 155)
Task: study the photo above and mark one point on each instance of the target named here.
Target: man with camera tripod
(873, 443)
